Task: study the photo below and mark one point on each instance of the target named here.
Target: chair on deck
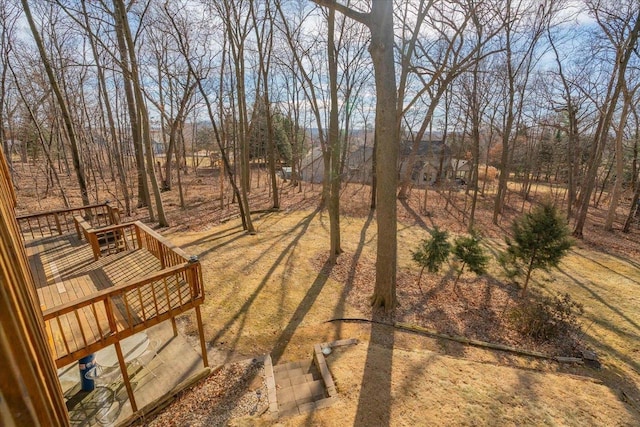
(107, 378)
(104, 376)
(142, 362)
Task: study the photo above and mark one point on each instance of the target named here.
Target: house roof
(426, 148)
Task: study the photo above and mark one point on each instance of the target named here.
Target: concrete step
(305, 365)
(282, 382)
(300, 393)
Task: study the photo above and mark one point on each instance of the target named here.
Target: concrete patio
(176, 362)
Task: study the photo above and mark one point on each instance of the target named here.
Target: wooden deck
(89, 303)
(95, 293)
(64, 269)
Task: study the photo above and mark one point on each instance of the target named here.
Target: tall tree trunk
(617, 186)
(475, 141)
(604, 123)
(144, 197)
(380, 22)
(264, 56)
(334, 144)
(142, 112)
(104, 101)
(64, 109)
(236, 42)
(387, 135)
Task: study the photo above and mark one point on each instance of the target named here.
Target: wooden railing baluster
(84, 337)
(64, 338)
(179, 274)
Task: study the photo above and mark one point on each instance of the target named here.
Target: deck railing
(60, 222)
(83, 326)
(86, 325)
(136, 235)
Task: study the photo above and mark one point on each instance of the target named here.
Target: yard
(273, 292)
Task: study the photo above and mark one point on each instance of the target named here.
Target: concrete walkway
(108, 404)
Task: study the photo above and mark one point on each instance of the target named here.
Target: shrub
(547, 317)
(432, 252)
(469, 253)
(540, 240)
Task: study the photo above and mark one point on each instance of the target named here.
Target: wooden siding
(29, 390)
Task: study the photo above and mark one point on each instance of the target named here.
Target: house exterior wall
(30, 393)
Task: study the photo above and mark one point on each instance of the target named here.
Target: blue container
(86, 364)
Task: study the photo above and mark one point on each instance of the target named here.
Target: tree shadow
(241, 314)
(301, 311)
(598, 298)
(417, 218)
(342, 301)
(374, 403)
(609, 269)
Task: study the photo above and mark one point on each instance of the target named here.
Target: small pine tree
(433, 252)
(468, 251)
(540, 240)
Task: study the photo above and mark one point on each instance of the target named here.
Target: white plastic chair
(142, 362)
(104, 377)
(107, 379)
(107, 415)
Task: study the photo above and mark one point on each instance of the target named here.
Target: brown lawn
(273, 293)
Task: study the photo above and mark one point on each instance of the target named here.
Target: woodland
(191, 115)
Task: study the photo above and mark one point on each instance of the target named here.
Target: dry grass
(272, 293)
(268, 294)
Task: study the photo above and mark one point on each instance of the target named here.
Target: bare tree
(264, 44)
(524, 24)
(236, 19)
(620, 23)
(439, 60)
(62, 104)
(334, 142)
(199, 72)
(9, 14)
(616, 192)
(379, 20)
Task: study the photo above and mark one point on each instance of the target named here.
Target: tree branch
(363, 18)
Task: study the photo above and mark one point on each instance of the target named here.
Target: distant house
(285, 172)
(312, 166)
(432, 161)
(357, 166)
(157, 147)
(461, 169)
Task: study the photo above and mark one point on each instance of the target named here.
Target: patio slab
(176, 361)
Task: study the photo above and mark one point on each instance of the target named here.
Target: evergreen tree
(432, 253)
(540, 240)
(468, 251)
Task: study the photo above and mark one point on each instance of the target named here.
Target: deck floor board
(64, 270)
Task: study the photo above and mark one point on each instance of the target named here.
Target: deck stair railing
(85, 325)
(60, 222)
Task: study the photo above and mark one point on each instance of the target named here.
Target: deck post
(125, 377)
(203, 344)
(58, 224)
(138, 236)
(175, 327)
